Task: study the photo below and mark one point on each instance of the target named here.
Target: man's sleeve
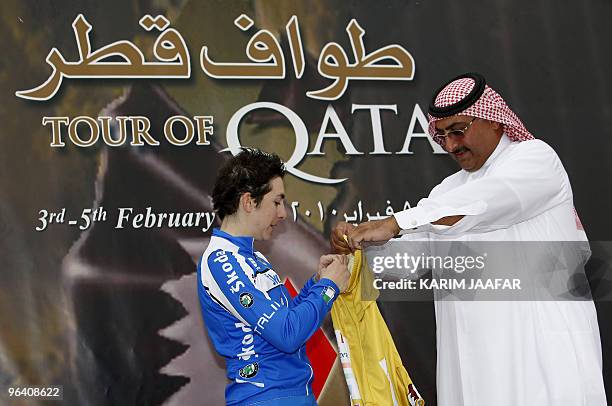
(283, 327)
(527, 184)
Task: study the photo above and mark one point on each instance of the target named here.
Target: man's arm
(529, 183)
(447, 221)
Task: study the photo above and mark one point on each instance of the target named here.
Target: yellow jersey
(372, 366)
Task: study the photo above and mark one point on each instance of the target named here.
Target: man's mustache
(459, 150)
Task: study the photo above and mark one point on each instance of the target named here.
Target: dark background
(550, 61)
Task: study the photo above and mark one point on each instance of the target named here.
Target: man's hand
(337, 271)
(337, 241)
(377, 231)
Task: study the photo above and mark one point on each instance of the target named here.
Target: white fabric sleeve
(527, 183)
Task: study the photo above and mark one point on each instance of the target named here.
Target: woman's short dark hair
(248, 172)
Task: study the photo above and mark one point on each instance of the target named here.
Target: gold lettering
(56, 131)
(169, 130)
(94, 131)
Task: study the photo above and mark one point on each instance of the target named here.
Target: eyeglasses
(454, 132)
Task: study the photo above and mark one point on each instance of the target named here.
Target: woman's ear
(247, 202)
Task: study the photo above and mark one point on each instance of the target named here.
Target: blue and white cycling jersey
(253, 322)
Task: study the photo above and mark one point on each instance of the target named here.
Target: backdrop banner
(117, 116)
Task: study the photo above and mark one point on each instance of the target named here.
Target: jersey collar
(244, 242)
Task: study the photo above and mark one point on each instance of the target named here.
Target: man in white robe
(511, 187)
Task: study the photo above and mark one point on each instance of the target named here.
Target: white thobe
(498, 353)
